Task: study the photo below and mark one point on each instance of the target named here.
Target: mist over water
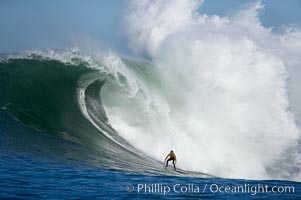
(220, 99)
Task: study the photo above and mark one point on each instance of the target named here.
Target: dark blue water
(24, 176)
(28, 171)
(36, 165)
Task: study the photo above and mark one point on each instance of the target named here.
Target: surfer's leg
(174, 165)
(168, 162)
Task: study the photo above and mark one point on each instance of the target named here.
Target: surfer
(171, 156)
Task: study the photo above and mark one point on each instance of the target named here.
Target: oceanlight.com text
(213, 188)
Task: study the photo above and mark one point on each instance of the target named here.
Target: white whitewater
(222, 101)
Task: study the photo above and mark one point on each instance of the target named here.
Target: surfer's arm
(167, 157)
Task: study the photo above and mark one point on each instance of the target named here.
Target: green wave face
(42, 95)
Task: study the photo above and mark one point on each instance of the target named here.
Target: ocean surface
(31, 175)
(65, 133)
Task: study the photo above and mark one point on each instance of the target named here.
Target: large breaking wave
(131, 114)
(216, 93)
(72, 96)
